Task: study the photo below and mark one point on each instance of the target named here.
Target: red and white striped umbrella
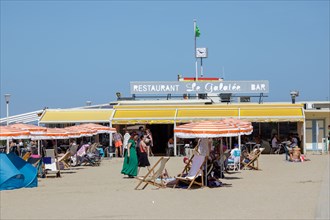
(99, 128)
(7, 132)
(212, 129)
(52, 133)
(72, 133)
(81, 131)
(33, 129)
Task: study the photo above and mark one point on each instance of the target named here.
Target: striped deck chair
(190, 175)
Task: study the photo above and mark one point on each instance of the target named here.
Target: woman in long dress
(130, 165)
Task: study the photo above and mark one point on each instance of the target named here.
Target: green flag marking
(197, 32)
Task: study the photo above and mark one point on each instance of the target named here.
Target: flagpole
(196, 66)
(201, 67)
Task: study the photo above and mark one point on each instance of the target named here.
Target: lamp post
(7, 98)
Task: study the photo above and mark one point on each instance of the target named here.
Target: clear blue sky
(60, 54)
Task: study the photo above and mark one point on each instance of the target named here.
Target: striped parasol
(81, 131)
(33, 129)
(99, 128)
(211, 129)
(7, 132)
(52, 133)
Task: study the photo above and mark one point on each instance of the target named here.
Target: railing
(22, 118)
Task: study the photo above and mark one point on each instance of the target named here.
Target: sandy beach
(281, 190)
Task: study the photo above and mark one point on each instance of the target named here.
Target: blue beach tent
(16, 173)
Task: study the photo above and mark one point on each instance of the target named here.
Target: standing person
(130, 165)
(170, 147)
(117, 138)
(143, 155)
(127, 136)
(13, 147)
(140, 132)
(21, 147)
(33, 147)
(150, 146)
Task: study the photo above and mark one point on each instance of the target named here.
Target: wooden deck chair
(253, 163)
(65, 159)
(196, 170)
(26, 156)
(152, 178)
(51, 163)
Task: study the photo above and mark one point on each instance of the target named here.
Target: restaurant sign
(179, 87)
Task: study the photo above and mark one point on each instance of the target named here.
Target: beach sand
(281, 190)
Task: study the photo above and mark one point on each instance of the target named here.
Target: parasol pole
(239, 142)
(38, 147)
(221, 158)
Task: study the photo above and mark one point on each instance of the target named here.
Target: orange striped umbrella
(212, 129)
(33, 129)
(72, 133)
(7, 132)
(52, 133)
(81, 130)
(99, 128)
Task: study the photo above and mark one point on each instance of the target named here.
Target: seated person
(164, 175)
(275, 143)
(295, 154)
(186, 161)
(293, 140)
(247, 157)
(232, 157)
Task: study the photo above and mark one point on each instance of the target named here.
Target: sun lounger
(51, 163)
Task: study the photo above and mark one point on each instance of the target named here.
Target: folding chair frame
(250, 164)
(147, 179)
(193, 180)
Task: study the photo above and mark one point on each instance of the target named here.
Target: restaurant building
(161, 106)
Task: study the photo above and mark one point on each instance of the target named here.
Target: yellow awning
(144, 116)
(166, 114)
(76, 116)
(185, 115)
(274, 114)
(170, 114)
